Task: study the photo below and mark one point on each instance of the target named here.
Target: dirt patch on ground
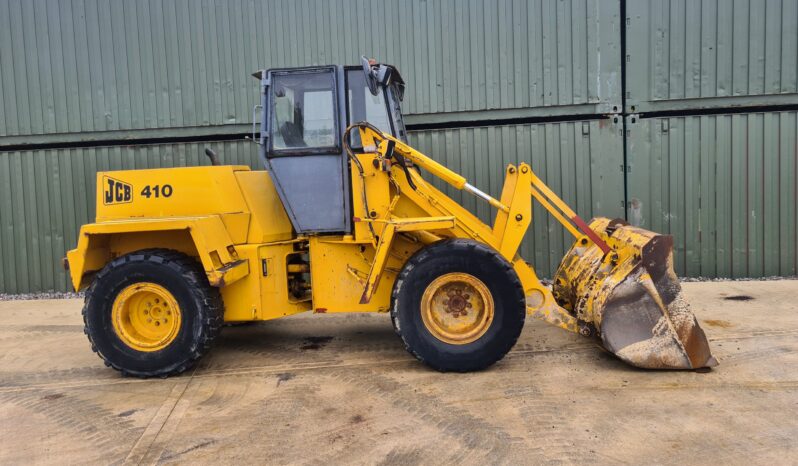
(315, 343)
(718, 323)
(741, 297)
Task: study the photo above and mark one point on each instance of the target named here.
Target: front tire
(458, 306)
(152, 313)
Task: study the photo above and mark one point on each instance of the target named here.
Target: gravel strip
(760, 279)
(40, 295)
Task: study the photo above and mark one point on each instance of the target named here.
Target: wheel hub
(146, 317)
(457, 308)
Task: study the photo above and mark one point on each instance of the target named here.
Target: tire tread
(446, 246)
(197, 282)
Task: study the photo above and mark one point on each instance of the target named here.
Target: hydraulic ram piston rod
(476, 192)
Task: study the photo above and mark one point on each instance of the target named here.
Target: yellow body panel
(177, 194)
(260, 296)
(378, 195)
(208, 235)
(268, 222)
(222, 215)
(339, 270)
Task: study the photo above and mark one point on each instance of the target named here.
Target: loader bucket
(632, 298)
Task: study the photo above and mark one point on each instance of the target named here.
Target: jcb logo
(117, 192)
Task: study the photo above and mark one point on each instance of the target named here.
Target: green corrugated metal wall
(686, 54)
(94, 70)
(725, 186)
(96, 65)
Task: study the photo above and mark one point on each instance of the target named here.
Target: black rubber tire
(484, 263)
(201, 307)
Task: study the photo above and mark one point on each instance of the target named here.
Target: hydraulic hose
(356, 161)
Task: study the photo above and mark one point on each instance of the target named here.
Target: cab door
(301, 147)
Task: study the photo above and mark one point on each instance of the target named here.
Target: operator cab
(304, 113)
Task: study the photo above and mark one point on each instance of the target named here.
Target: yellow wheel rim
(457, 308)
(146, 317)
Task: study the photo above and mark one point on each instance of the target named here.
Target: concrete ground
(341, 389)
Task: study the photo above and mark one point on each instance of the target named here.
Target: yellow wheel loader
(342, 220)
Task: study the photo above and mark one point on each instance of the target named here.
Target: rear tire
(441, 302)
(119, 303)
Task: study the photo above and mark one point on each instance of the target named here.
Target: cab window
(365, 106)
(303, 112)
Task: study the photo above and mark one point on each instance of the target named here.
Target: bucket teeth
(634, 299)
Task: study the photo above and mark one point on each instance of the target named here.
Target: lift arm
(514, 212)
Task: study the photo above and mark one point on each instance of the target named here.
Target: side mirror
(371, 79)
(384, 75)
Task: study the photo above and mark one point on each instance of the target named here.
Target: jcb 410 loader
(342, 220)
